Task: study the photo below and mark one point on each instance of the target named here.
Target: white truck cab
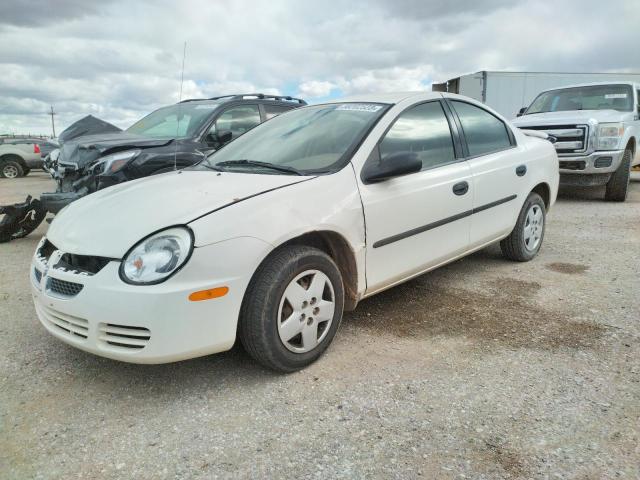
(596, 128)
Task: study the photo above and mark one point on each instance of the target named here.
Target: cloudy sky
(119, 60)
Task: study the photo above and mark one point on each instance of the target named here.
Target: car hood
(109, 222)
(570, 117)
(84, 150)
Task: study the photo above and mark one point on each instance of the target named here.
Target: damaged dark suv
(169, 138)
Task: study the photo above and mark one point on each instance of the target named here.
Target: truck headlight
(157, 257)
(609, 135)
(116, 161)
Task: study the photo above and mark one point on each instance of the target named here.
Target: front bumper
(596, 163)
(147, 324)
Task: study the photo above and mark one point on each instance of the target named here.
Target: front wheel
(292, 308)
(11, 169)
(618, 184)
(524, 242)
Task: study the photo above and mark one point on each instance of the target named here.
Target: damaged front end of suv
(93, 155)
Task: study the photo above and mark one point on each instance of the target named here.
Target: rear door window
(484, 132)
(271, 111)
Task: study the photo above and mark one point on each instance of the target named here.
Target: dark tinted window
(484, 132)
(423, 130)
(238, 120)
(274, 110)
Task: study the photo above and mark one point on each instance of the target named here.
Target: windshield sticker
(206, 107)
(359, 107)
(615, 95)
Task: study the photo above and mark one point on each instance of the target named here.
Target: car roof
(387, 97)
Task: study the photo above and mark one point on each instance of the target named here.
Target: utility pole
(53, 125)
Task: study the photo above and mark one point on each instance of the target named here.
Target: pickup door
(417, 221)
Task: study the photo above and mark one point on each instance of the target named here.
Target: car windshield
(595, 97)
(176, 121)
(308, 140)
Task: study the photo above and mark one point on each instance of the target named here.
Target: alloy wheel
(533, 227)
(10, 171)
(306, 311)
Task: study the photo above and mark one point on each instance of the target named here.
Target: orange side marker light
(209, 294)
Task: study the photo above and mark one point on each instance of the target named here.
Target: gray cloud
(41, 12)
(119, 60)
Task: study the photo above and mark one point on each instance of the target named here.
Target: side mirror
(219, 139)
(394, 165)
(224, 136)
(521, 111)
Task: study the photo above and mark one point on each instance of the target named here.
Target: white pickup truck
(597, 129)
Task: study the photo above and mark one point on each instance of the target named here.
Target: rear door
(417, 221)
(498, 167)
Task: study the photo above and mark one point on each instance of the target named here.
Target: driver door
(420, 220)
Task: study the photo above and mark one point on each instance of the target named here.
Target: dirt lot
(482, 369)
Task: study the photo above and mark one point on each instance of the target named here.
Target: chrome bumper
(595, 163)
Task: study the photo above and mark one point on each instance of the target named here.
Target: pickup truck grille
(571, 139)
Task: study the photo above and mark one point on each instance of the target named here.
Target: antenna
(175, 151)
(53, 125)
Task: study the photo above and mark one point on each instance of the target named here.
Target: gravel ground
(481, 369)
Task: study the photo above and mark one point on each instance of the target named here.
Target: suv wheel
(524, 242)
(292, 308)
(11, 168)
(618, 184)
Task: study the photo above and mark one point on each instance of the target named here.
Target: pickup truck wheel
(10, 168)
(524, 242)
(292, 308)
(618, 184)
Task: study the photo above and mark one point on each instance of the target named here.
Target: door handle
(521, 170)
(461, 188)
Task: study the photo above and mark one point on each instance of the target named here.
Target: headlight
(116, 161)
(609, 135)
(54, 154)
(157, 257)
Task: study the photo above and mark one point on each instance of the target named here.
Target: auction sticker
(360, 107)
(615, 95)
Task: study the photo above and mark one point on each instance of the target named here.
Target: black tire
(258, 323)
(11, 168)
(618, 184)
(515, 247)
(26, 171)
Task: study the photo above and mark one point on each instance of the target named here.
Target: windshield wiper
(255, 163)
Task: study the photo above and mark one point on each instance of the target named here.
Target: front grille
(86, 264)
(570, 139)
(46, 250)
(37, 274)
(73, 326)
(63, 288)
(568, 165)
(124, 336)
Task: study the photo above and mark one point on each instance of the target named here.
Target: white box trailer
(507, 92)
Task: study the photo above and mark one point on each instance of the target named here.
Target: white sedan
(275, 235)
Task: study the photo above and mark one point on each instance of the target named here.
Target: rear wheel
(524, 242)
(618, 184)
(11, 168)
(292, 308)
